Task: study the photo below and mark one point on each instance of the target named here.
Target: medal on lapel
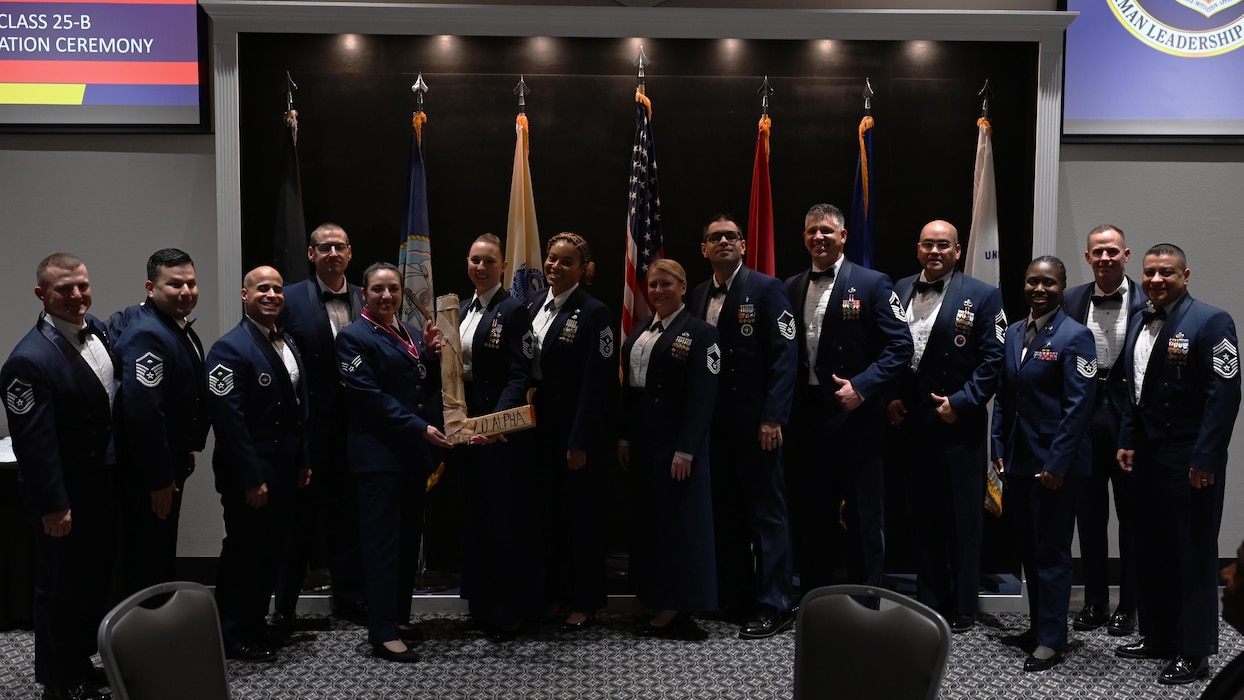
(1177, 350)
(850, 306)
(494, 335)
(571, 329)
(963, 323)
(681, 347)
(747, 316)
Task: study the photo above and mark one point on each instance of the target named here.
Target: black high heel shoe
(569, 627)
(380, 651)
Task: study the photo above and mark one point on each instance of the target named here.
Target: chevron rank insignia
(1226, 359)
(999, 326)
(714, 359)
(349, 367)
(1086, 367)
(897, 307)
(149, 370)
(529, 345)
(606, 342)
(786, 325)
(220, 380)
(19, 397)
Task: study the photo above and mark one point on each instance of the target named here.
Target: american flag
(643, 217)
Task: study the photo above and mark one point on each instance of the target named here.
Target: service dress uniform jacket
(672, 554)
(502, 571)
(393, 396)
(1044, 402)
(161, 422)
(1094, 515)
(62, 428)
(326, 518)
(751, 518)
(837, 453)
(1184, 418)
(575, 403)
(943, 464)
(259, 418)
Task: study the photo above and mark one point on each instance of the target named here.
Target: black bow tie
(656, 327)
(276, 335)
(1117, 297)
(86, 332)
(922, 287)
(818, 274)
(475, 305)
(1148, 315)
(718, 289)
(551, 306)
(339, 296)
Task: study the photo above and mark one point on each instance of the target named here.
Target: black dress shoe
(1144, 649)
(571, 627)
(1091, 617)
(79, 691)
(961, 623)
(248, 652)
(1033, 664)
(767, 623)
(1122, 623)
(1026, 640)
(380, 651)
(1185, 669)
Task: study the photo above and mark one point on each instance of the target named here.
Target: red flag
(760, 215)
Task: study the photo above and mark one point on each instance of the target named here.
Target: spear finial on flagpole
(765, 92)
(419, 88)
(640, 61)
(291, 114)
(986, 94)
(868, 97)
(522, 91)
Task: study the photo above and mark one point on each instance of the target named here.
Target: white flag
(982, 259)
(522, 247)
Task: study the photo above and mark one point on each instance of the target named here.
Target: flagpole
(862, 226)
(415, 249)
(643, 218)
(522, 245)
(290, 239)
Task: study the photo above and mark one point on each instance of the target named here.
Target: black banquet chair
(164, 642)
(846, 650)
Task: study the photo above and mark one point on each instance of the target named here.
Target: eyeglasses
(326, 248)
(931, 245)
(716, 236)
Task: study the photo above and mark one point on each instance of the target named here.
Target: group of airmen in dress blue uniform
(750, 422)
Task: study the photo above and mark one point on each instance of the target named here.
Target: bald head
(263, 295)
(938, 249)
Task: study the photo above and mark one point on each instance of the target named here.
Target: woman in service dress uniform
(502, 575)
(391, 377)
(1040, 445)
(576, 377)
(669, 388)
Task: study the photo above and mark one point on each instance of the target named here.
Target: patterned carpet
(608, 662)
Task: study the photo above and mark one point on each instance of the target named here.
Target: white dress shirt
(540, 326)
(921, 314)
(715, 301)
(92, 351)
(468, 324)
(814, 308)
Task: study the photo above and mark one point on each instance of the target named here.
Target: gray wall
(113, 200)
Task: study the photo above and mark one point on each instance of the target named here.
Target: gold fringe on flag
(417, 122)
(865, 124)
(765, 125)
